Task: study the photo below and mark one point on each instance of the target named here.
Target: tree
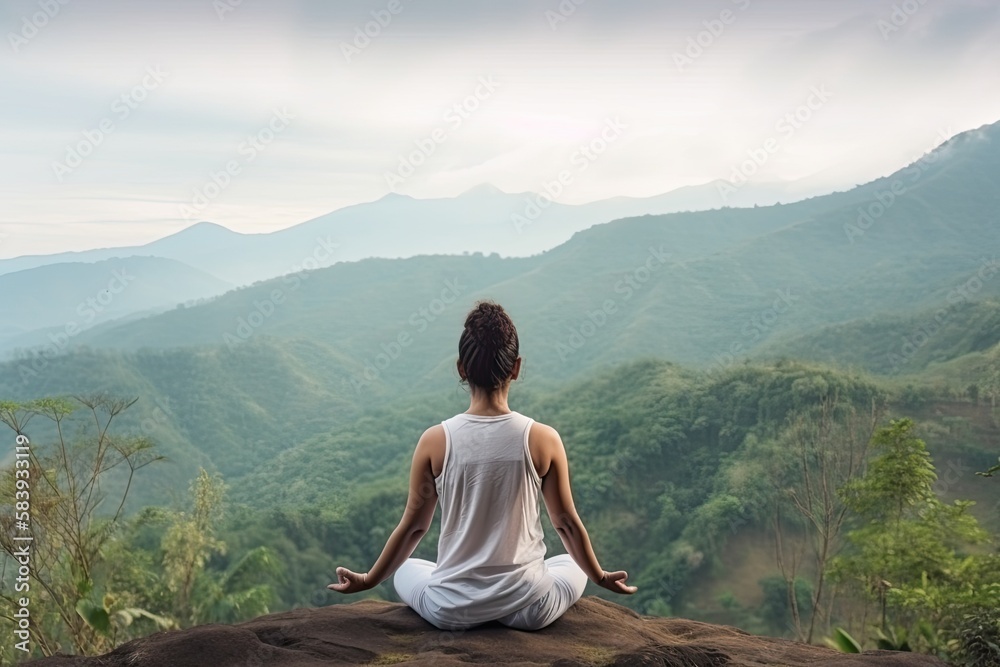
(775, 609)
(904, 548)
(202, 595)
(68, 495)
(190, 541)
(828, 445)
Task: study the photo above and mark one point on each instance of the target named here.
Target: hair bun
(488, 321)
(489, 346)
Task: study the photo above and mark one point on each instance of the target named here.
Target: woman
(488, 466)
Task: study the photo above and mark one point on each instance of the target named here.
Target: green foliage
(892, 639)
(899, 478)
(96, 616)
(70, 494)
(775, 609)
(110, 622)
(195, 591)
(190, 541)
(238, 592)
(843, 642)
(884, 344)
(979, 638)
(906, 548)
(991, 471)
(97, 578)
(309, 370)
(668, 467)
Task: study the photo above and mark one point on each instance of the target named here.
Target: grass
(595, 656)
(391, 659)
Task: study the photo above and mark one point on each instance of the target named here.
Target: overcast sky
(161, 95)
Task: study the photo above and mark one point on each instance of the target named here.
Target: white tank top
(491, 557)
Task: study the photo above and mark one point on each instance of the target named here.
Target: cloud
(556, 83)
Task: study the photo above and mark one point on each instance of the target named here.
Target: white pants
(413, 575)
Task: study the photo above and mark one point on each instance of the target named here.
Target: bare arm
(559, 502)
(417, 517)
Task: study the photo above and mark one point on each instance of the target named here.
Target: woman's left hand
(349, 582)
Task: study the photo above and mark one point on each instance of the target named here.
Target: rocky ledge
(593, 632)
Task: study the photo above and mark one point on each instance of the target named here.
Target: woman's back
(490, 552)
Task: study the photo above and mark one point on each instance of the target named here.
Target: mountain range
(483, 219)
(52, 305)
(853, 278)
(702, 287)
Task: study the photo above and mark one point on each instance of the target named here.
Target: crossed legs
(569, 582)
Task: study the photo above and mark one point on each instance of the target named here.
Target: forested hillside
(692, 481)
(743, 393)
(694, 288)
(287, 361)
(903, 344)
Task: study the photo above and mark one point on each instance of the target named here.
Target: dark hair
(488, 347)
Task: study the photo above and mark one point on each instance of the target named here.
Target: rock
(592, 632)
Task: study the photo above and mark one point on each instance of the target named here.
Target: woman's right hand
(350, 582)
(615, 582)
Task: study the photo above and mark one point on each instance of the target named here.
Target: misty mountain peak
(483, 190)
(205, 227)
(394, 197)
(201, 231)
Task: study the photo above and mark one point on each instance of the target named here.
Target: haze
(538, 81)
